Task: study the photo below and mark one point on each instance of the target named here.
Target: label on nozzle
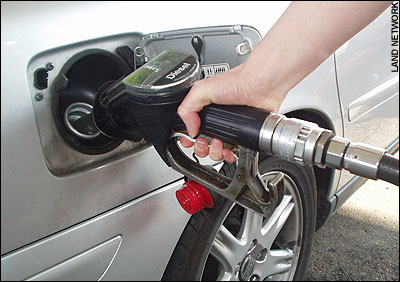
(172, 75)
(168, 67)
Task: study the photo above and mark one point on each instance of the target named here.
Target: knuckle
(182, 110)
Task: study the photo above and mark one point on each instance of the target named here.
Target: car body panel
(147, 227)
(368, 88)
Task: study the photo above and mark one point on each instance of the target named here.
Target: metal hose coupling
(358, 158)
(293, 139)
(305, 142)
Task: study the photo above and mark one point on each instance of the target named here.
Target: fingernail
(202, 142)
(201, 145)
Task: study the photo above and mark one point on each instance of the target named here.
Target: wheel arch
(324, 177)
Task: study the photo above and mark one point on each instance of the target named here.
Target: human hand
(230, 88)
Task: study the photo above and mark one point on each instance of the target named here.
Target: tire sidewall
(304, 178)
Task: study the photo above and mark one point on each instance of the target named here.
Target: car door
(368, 85)
(77, 205)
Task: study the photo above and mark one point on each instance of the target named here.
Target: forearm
(304, 36)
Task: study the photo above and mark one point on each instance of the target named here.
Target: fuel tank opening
(79, 120)
(75, 89)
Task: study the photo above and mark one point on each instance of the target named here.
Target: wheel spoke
(277, 262)
(251, 226)
(227, 276)
(225, 248)
(277, 220)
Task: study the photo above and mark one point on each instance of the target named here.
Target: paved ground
(360, 242)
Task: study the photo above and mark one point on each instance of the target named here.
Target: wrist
(263, 89)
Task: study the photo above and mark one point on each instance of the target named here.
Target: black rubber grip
(239, 125)
(388, 169)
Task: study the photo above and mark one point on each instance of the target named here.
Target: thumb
(194, 102)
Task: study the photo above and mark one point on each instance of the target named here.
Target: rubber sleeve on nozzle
(388, 169)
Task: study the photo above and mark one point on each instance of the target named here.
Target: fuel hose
(388, 169)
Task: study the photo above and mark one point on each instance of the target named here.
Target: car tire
(233, 243)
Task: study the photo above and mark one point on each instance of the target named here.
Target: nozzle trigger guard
(246, 188)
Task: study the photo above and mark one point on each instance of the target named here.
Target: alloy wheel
(248, 246)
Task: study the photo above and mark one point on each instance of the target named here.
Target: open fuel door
(217, 48)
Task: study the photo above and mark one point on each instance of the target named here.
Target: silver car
(77, 205)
